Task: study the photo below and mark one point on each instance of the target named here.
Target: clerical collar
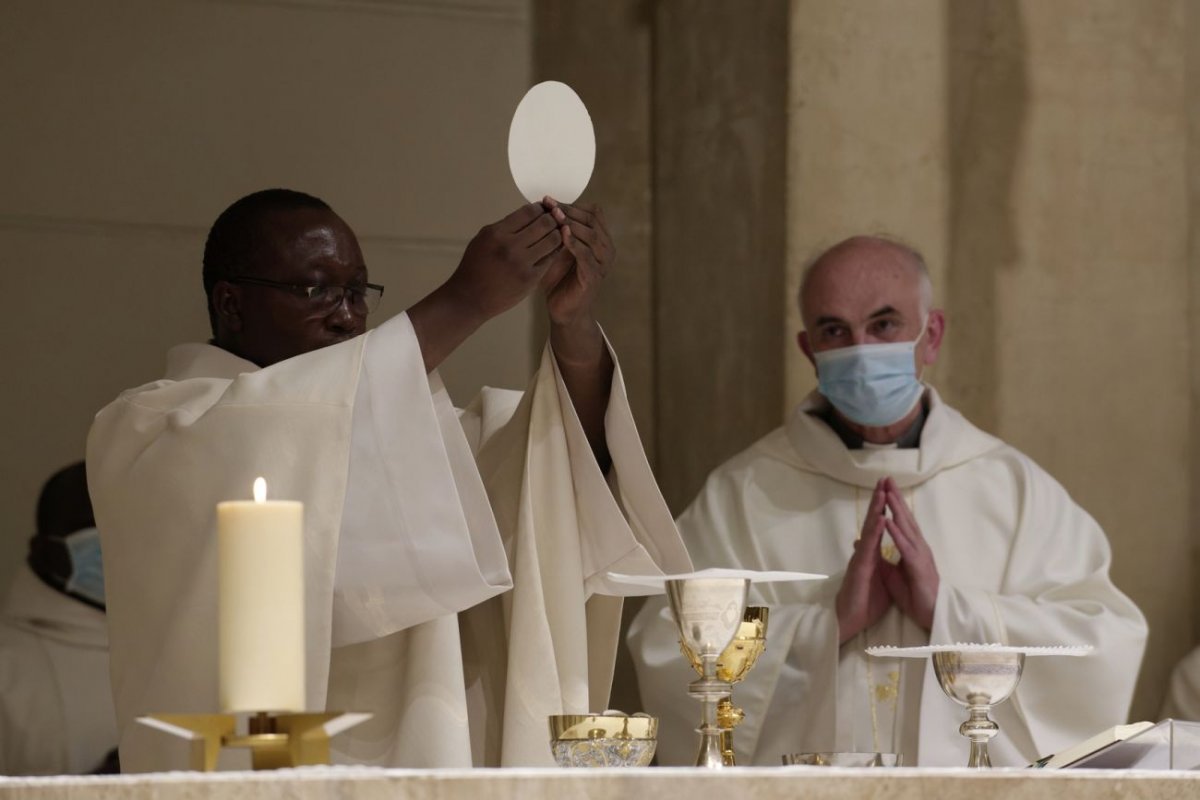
(910, 439)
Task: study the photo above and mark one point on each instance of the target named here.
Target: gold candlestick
(734, 662)
(275, 741)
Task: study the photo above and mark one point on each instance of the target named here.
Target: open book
(1093, 744)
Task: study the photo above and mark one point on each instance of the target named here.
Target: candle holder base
(275, 741)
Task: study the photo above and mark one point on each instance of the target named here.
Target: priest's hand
(501, 265)
(863, 597)
(507, 259)
(913, 583)
(571, 284)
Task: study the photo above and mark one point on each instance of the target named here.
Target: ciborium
(978, 677)
(732, 665)
(856, 760)
(709, 612)
(611, 739)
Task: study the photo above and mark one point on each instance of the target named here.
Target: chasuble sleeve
(1056, 590)
(159, 460)
(418, 539)
(561, 527)
(625, 525)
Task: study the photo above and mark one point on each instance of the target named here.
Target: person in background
(56, 711)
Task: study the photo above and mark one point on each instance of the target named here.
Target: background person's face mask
(87, 568)
(872, 384)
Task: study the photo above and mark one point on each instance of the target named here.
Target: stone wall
(129, 126)
(1041, 155)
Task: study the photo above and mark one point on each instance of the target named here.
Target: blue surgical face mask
(87, 568)
(871, 384)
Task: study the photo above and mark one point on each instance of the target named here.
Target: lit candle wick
(260, 490)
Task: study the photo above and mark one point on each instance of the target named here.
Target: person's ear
(805, 347)
(935, 330)
(227, 303)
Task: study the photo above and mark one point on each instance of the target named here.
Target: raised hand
(507, 259)
(571, 285)
(499, 268)
(863, 598)
(913, 583)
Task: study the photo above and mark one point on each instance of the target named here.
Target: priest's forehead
(307, 244)
(863, 274)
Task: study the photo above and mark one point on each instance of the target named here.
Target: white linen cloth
(56, 711)
(411, 516)
(1019, 562)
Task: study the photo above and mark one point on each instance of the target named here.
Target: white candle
(261, 603)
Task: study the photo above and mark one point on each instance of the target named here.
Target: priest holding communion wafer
(454, 560)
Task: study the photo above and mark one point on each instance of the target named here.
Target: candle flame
(260, 490)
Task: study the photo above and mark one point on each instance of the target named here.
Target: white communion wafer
(551, 144)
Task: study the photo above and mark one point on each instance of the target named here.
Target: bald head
(864, 266)
(869, 290)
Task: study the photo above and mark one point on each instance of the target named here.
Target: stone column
(866, 140)
(1192, 103)
(1033, 151)
(720, 82)
(1088, 276)
(605, 58)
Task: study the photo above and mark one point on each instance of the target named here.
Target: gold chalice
(732, 665)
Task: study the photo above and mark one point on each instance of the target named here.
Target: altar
(781, 783)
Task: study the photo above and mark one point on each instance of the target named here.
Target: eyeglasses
(363, 297)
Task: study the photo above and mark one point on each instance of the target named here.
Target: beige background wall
(1036, 152)
(128, 126)
(1042, 155)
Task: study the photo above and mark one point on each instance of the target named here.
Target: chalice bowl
(979, 677)
(610, 739)
(978, 680)
(709, 612)
(732, 665)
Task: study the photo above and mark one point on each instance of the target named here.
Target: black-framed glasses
(362, 297)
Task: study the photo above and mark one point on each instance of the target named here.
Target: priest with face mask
(454, 561)
(933, 532)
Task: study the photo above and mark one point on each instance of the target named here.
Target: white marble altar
(783, 783)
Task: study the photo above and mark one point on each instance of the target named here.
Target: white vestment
(1183, 693)
(400, 537)
(56, 711)
(1019, 563)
